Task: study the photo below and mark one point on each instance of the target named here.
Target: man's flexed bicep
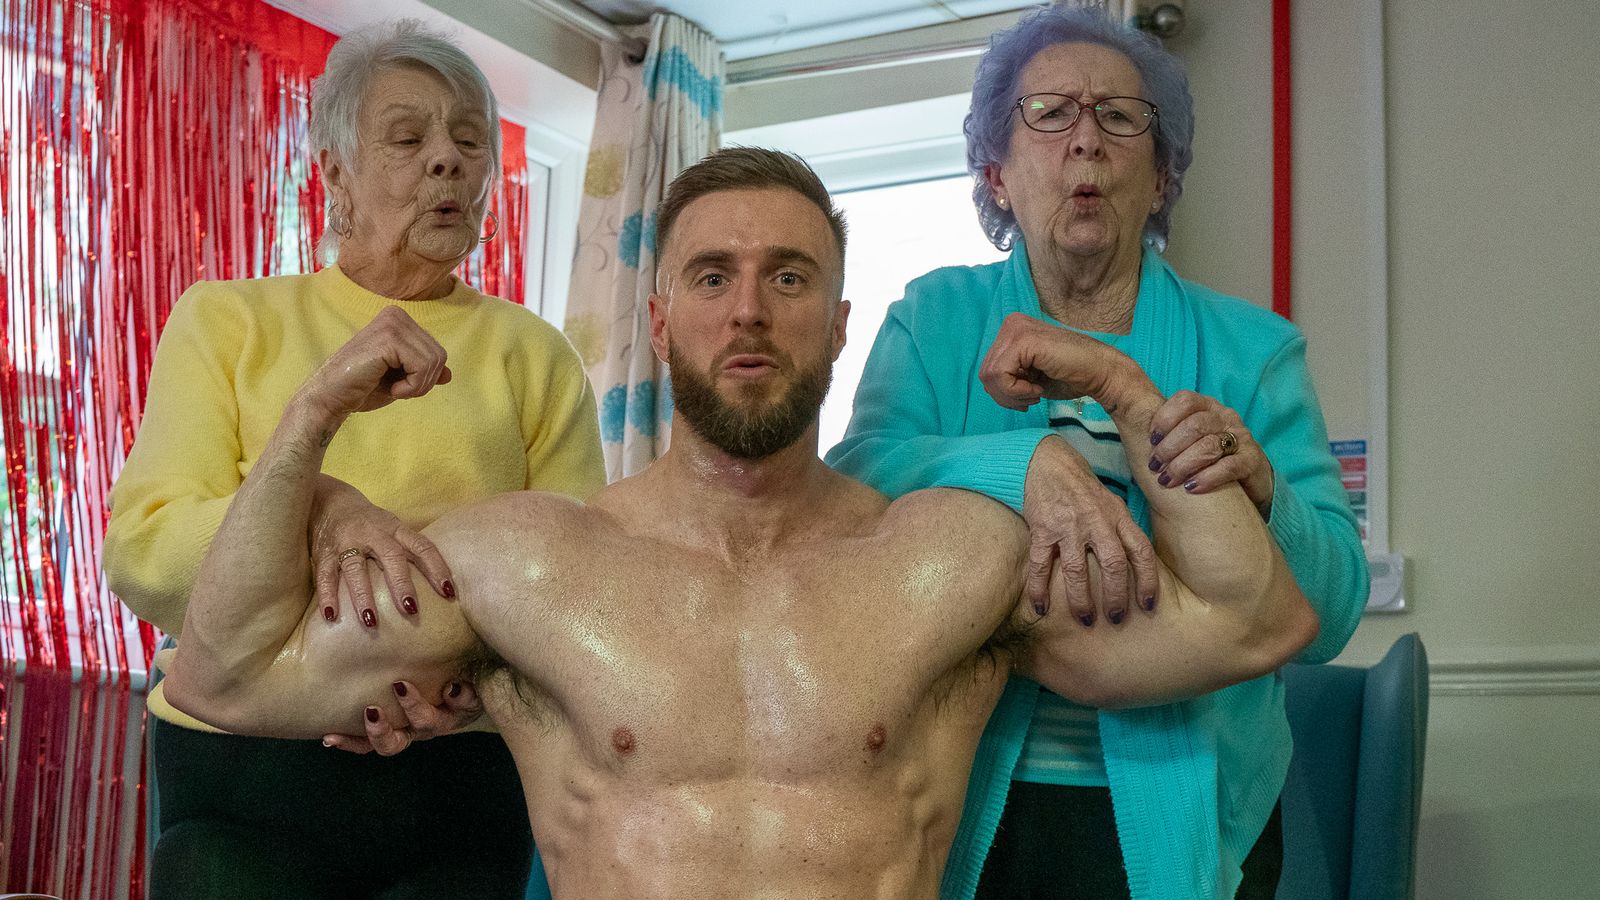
(1230, 611)
(247, 618)
(324, 675)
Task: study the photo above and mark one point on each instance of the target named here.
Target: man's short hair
(744, 168)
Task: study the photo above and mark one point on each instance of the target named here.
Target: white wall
(1492, 220)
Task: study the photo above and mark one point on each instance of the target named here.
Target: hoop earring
(338, 222)
(490, 236)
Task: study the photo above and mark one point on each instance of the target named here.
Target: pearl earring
(1002, 202)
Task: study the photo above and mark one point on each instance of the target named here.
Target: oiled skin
(801, 726)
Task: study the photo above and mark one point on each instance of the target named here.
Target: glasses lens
(1124, 116)
(1049, 112)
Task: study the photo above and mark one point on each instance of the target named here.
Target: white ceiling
(750, 28)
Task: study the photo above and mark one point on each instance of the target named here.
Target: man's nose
(750, 304)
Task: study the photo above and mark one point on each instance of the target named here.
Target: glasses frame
(1078, 109)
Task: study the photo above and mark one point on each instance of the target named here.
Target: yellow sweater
(518, 415)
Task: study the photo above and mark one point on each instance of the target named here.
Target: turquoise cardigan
(1192, 783)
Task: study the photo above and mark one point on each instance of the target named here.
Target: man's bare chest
(803, 665)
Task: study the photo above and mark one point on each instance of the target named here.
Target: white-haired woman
(1079, 137)
(407, 139)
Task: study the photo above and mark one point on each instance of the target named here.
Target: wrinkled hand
(1188, 450)
(1071, 515)
(1031, 360)
(419, 720)
(343, 519)
(392, 358)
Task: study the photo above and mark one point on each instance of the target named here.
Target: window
(897, 233)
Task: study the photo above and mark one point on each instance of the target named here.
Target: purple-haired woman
(1078, 138)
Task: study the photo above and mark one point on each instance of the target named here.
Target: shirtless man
(738, 674)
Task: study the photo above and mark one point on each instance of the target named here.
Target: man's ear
(659, 339)
(841, 315)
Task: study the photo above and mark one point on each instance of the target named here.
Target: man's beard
(755, 430)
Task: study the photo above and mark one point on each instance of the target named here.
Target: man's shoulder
(963, 520)
(529, 519)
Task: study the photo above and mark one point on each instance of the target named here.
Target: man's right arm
(248, 661)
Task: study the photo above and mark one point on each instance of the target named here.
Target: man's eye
(789, 279)
(714, 280)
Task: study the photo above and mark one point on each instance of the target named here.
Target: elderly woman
(407, 139)
(1078, 137)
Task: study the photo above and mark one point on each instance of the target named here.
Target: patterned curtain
(655, 119)
(146, 144)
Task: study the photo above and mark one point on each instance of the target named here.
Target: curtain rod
(861, 62)
(581, 19)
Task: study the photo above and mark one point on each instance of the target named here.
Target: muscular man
(738, 673)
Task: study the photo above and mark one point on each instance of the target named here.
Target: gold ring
(353, 551)
(1230, 444)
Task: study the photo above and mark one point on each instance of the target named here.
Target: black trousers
(244, 818)
(1058, 842)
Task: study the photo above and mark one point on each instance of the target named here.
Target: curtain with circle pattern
(656, 117)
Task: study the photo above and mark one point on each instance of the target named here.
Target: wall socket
(1388, 583)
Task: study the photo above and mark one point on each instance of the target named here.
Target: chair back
(1354, 792)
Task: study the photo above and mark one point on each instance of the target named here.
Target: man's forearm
(253, 587)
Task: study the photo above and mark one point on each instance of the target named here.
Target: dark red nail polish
(328, 613)
(1115, 616)
(399, 688)
(1164, 479)
(372, 714)
(1087, 619)
(409, 604)
(449, 589)
(1149, 604)
(1155, 464)
(369, 619)
(1190, 485)
(455, 688)
(1155, 437)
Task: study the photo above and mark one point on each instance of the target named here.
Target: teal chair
(1354, 791)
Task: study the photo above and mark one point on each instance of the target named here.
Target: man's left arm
(1310, 514)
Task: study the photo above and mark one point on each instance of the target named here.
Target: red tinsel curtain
(147, 144)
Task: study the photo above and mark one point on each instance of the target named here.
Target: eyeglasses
(1121, 116)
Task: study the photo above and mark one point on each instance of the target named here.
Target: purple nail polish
(369, 619)
(1087, 619)
(1149, 604)
(1155, 437)
(328, 613)
(372, 714)
(1115, 616)
(1164, 479)
(409, 604)
(1190, 485)
(1040, 608)
(1155, 464)
(399, 688)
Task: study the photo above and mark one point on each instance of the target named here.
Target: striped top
(1063, 743)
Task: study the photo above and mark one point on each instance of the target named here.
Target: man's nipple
(876, 738)
(622, 741)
